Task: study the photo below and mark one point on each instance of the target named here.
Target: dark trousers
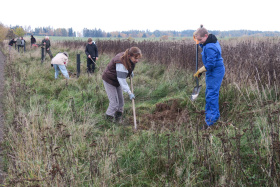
(50, 53)
(90, 65)
(21, 46)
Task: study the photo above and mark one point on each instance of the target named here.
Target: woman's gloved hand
(131, 96)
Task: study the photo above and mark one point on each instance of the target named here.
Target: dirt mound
(168, 115)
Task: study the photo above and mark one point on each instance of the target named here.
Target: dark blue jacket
(91, 49)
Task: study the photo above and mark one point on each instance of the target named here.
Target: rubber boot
(118, 117)
(109, 118)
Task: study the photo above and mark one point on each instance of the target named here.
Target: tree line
(98, 33)
(170, 34)
(43, 31)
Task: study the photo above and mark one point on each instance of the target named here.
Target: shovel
(196, 89)
(92, 60)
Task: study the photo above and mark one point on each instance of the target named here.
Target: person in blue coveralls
(215, 71)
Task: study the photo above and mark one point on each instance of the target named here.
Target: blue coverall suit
(213, 62)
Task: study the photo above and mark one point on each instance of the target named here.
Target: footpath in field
(2, 64)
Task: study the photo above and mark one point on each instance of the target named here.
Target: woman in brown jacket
(114, 80)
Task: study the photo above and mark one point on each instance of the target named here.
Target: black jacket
(12, 42)
(33, 40)
(91, 49)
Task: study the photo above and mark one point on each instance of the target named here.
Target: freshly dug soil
(168, 115)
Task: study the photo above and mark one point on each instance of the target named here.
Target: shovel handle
(197, 82)
(133, 106)
(92, 60)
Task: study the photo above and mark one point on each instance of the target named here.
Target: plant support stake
(78, 65)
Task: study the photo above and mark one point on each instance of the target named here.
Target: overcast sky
(123, 15)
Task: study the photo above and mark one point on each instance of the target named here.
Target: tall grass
(56, 134)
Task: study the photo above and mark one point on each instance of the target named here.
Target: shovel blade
(195, 92)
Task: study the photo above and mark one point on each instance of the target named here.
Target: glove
(197, 42)
(132, 75)
(131, 96)
(199, 72)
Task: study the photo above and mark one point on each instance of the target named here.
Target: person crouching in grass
(59, 62)
(114, 80)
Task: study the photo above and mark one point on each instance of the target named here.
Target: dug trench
(167, 115)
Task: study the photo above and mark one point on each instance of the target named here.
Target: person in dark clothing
(11, 43)
(92, 55)
(33, 40)
(47, 44)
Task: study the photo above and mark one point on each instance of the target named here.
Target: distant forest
(96, 33)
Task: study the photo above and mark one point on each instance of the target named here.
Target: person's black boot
(109, 118)
(118, 117)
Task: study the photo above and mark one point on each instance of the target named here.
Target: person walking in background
(18, 43)
(114, 80)
(60, 62)
(33, 40)
(11, 43)
(215, 71)
(47, 43)
(23, 42)
(92, 55)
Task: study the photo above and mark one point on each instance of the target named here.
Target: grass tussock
(56, 134)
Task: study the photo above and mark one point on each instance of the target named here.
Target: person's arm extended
(121, 76)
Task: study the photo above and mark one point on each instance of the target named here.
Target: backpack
(33, 40)
(18, 42)
(22, 42)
